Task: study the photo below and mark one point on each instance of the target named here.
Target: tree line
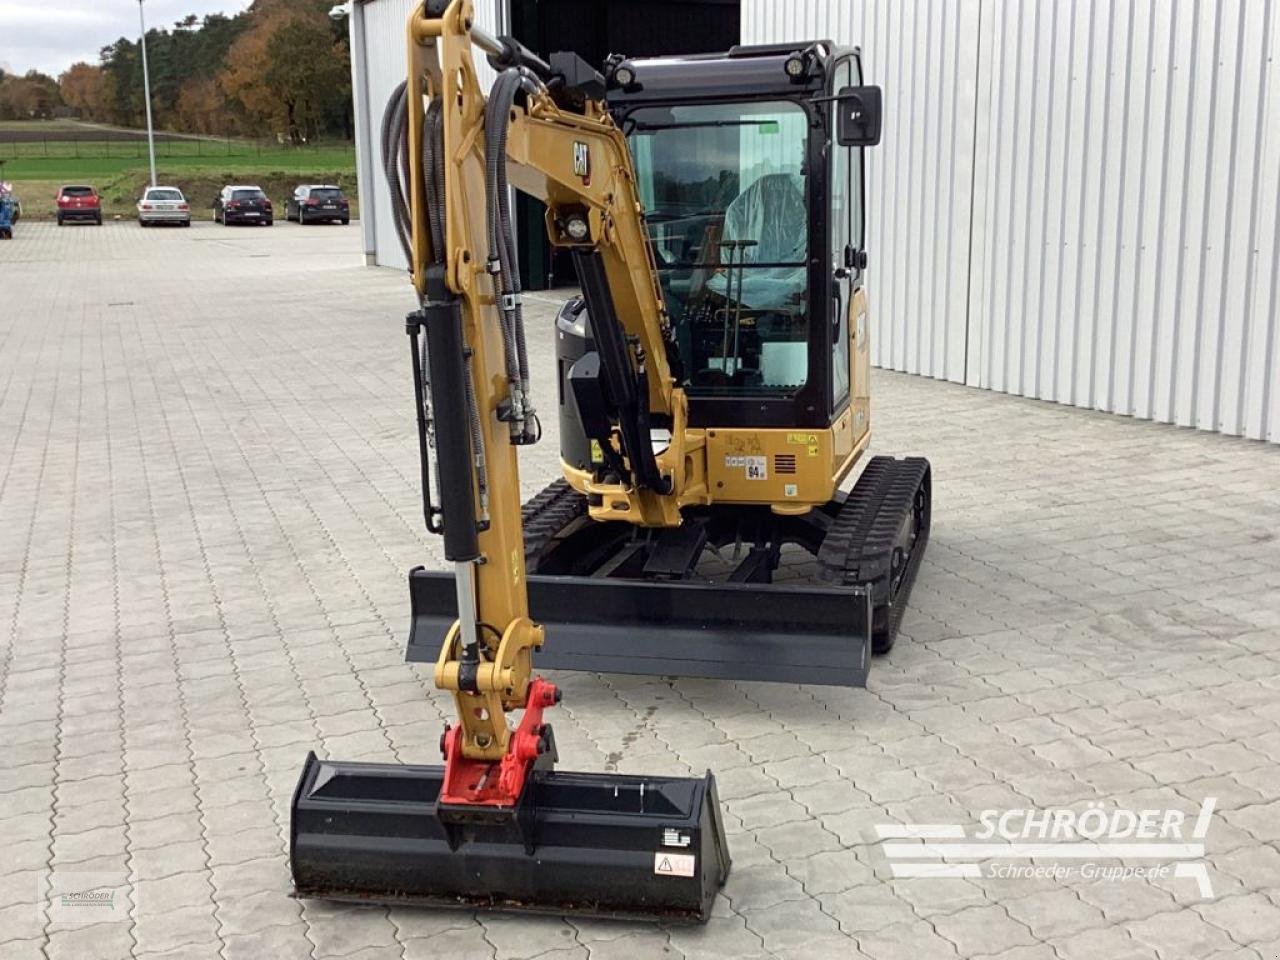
(280, 69)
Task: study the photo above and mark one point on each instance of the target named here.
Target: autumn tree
(287, 73)
(282, 68)
(32, 96)
(201, 107)
(83, 88)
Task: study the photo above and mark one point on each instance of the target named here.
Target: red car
(79, 203)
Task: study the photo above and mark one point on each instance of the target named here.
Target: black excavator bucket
(580, 843)
(727, 631)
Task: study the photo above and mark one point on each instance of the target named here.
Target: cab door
(850, 367)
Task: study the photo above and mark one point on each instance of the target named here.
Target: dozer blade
(727, 631)
(581, 843)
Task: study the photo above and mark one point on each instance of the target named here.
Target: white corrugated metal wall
(378, 65)
(1075, 200)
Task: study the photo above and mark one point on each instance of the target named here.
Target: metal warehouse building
(1078, 202)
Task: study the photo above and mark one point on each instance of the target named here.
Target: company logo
(1064, 843)
(88, 898)
(84, 897)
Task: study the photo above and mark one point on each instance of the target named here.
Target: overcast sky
(50, 35)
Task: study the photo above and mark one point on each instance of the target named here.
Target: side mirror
(859, 124)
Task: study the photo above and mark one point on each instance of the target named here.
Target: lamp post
(146, 92)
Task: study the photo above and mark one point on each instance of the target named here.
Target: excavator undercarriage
(735, 593)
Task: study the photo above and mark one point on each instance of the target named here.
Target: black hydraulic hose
(433, 173)
(508, 233)
(501, 97)
(503, 263)
(392, 136)
(530, 84)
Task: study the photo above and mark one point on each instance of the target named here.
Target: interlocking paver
(20, 921)
(102, 941)
(1095, 619)
(23, 949)
(237, 915)
(464, 943)
(832, 871)
(1182, 934)
(521, 938)
(869, 908)
(1112, 942)
(985, 928)
(182, 926)
(284, 943)
(338, 931)
(906, 939)
(933, 895)
(151, 897)
(1248, 919)
(1054, 913)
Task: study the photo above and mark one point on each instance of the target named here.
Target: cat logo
(581, 161)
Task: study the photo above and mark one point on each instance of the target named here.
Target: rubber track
(859, 547)
(546, 515)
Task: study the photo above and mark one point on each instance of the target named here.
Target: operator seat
(772, 212)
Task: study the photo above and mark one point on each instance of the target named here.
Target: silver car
(163, 205)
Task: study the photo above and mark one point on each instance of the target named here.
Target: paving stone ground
(208, 502)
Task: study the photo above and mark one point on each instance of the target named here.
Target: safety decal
(674, 864)
(807, 440)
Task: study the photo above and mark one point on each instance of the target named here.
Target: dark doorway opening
(593, 29)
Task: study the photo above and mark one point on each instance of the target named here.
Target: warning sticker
(756, 468)
(674, 864)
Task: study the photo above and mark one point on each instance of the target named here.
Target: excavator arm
(554, 142)
(496, 826)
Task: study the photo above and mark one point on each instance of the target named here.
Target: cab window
(725, 187)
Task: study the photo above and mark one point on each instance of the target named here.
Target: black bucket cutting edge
(605, 845)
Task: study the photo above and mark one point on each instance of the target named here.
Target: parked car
(6, 216)
(15, 204)
(79, 202)
(242, 204)
(315, 202)
(163, 205)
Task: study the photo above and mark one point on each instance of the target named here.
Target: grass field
(39, 156)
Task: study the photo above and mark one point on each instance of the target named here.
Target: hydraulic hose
(395, 164)
(394, 133)
(501, 97)
(502, 253)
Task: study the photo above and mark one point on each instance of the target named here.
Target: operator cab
(750, 216)
(756, 226)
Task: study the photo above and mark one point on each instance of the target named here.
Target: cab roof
(741, 71)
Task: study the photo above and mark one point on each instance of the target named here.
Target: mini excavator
(714, 382)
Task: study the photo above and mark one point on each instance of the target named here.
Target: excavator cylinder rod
(577, 843)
